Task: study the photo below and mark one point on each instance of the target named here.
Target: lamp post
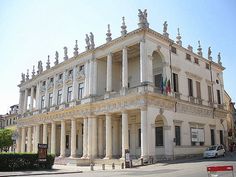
(14, 137)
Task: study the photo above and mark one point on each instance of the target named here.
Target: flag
(161, 85)
(168, 89)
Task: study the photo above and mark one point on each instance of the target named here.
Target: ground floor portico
(146, 124)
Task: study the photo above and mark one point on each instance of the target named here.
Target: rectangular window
(177, 136)
(158, 80)
(42, 102)
(81, 67)
(67, 141)
(173, 49)
(59, 95)
(198, 88)
(221, 137)
(60, 76)
(44, 83)
(159, 136)
(190, 87)
(188, 57)
(69, 94)
(81, 90)
(51, 80)
(176, 83)
(50, 99)
(196, 60)
(218, 96)
(209, 94)
(207, 66)
(212, 137)
(139, 137)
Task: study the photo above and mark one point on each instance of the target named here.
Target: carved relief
(80, 74)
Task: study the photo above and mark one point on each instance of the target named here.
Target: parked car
(214, 151)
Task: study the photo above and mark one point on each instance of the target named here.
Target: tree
(5, 139)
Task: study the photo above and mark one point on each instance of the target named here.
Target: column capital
(124, 111)
(108, 114)
(110, 54)
(143, 108)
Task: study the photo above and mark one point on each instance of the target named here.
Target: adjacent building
(141, 91)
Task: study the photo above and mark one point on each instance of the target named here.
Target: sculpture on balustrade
(22, 77)
(40, 67)
(143, 23)
(219, 59)
(65, 53)
(209, 53)
(92, 41)
(87, 42)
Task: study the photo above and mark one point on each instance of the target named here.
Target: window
(173, 49)
(217, 81)
(69, 94)
(44, 83)
(67, 141)
(81, 67)
(177, 136)
(59, 95)
(70, 72)
(221, 137)
(51, 80)
(42, 102)
(159, 136)
(218, 96)
(176, 84)
(60, 76)
(198, 87)
(209, 94)
(50, 99)
(212, 137)
(188, 57)
(81, 90)
(196, 60)
(190, 87)
(207, 66)
(158, 80)
(139, 137)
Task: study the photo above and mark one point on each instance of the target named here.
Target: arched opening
(157, 67)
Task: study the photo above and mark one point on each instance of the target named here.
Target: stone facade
(140, 91)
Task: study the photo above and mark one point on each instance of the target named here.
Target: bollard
(91, 167)
(103, 166)
(141, 161)
(113, 166)
(122, 165)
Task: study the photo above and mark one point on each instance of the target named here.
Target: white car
(214, 151)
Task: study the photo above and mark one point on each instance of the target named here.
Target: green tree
(5, 139)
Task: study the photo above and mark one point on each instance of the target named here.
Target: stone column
(38, 96)
(32, 98)
(92, 137)
(73, 138)
(21, 103)
(45, 133)
(95, 77)
(85, 138)
(46, 93)
(125, 138)
(115, 138)
(109, 73)
(75, 85)
(144, 138)
(54, 98)
(64, 91)
(143, 61)
(18, 140)
(26, 100)
(124, 68)
(100, 137)
(53, 138)
(63, 138)
(29, 139)
(91, 69)
(37, 134)
(108, 137)
(86, 80)
(22, 139)
(80, 140)
(168, 142)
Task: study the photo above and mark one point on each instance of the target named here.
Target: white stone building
(141, 91)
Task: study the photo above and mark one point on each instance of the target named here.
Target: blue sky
(32, 30)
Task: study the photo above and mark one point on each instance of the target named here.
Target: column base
(107, 158)
(124, 91)
(72, 157)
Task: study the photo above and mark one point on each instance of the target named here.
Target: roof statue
(165, 25)
(143, 23)
(178, 37)
(56, 58)
(22, 77)
(48, 63)
(27, 74)
(209, 53)
(91, 40)
(40, 67)
(219, 59)
(199, 49)
(123, 27)
(108, 39)
(76, 53)
(33, 72)
(87, 42)
(65, 53)
(190, 48)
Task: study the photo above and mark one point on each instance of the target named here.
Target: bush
(24, 161)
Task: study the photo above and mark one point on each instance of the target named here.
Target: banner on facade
(197, 135)
(42, 152)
